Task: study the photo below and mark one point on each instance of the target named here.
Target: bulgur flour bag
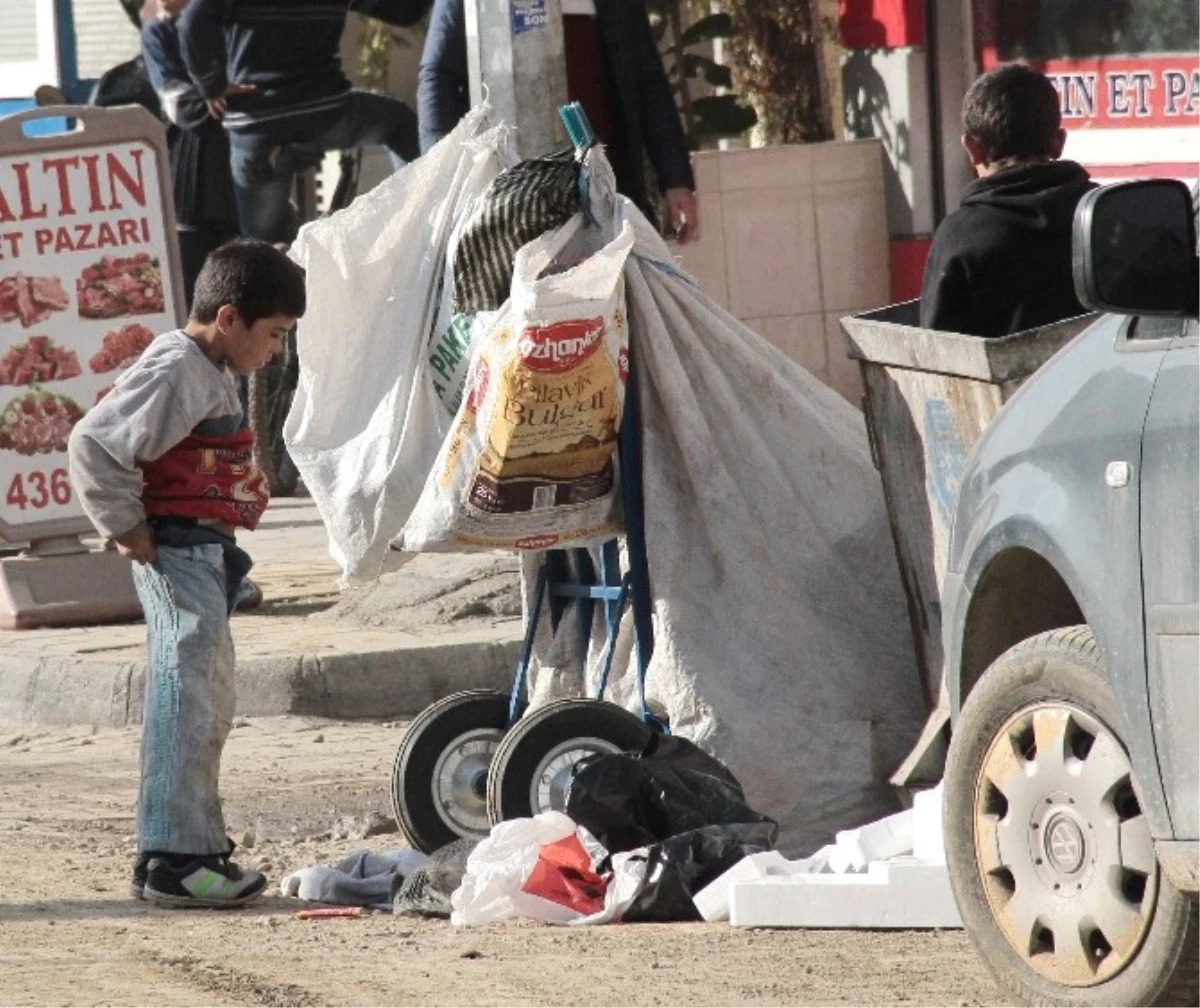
(530, 460)
(366, 422)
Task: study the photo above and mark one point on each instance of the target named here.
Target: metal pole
(515, 52)
(934, 90)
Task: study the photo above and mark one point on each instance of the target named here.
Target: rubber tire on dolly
(432, 733)
(538, 734)
(1057, 672)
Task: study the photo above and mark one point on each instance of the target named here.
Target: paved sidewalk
(288, 661)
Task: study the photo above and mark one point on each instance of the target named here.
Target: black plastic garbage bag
(679, 867)
(628, 801)
(680, 803)
(427, 891)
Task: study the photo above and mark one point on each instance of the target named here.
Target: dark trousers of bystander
(264, 172)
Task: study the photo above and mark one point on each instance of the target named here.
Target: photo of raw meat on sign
(121, 348)
(38, 359)
(30, 300)
(117, 286)
(38, 423)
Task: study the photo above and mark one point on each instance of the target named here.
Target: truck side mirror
(1135, 249)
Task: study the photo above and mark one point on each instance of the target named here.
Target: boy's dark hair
(1012, 113)
(256, 278)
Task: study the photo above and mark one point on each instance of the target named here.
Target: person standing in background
(613, 69)
(271, 73)
(202, 184)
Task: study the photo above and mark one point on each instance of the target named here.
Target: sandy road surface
(70, 935)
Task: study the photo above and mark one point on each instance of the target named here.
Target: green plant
(777, 58)
(705, 117)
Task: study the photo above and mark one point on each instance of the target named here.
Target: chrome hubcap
(548, 791)
(460, 781)
(1063, 849)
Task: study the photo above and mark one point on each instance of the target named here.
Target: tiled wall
(793, 238)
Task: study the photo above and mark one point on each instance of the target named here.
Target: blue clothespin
(583, 138)
(579, 129)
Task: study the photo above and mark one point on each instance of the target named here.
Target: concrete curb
(389, 684)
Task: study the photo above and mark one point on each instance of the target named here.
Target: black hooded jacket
(1001, 262)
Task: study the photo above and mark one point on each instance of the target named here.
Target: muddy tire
(1049, 854)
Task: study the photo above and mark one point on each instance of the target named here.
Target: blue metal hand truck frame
(476, 758)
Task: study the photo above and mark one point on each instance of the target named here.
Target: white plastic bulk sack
(530, 460)
(366, 424)
(782, 643)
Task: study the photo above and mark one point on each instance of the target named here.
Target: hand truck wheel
(532, 767)
(439, 778)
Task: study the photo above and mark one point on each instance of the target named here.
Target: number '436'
(37, 490)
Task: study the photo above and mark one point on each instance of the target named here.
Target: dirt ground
(70, 934)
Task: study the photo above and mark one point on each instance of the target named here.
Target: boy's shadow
(62, 911)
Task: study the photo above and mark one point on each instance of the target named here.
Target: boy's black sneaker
(213, 881)
(141, 868)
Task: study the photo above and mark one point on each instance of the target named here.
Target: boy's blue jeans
(189, 699)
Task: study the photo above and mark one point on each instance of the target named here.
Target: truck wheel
(1049, 854)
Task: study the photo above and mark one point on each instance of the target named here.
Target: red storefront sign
(1127, 76)
(1119, 92)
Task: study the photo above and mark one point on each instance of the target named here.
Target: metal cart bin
(928, 397)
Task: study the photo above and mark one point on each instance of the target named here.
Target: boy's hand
(138, 544)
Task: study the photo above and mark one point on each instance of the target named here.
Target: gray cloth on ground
(782, 638)
(365, 878)
(426, 892)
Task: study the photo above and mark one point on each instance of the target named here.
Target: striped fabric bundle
(528, 200)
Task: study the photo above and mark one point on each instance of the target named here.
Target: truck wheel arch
(1019, 595)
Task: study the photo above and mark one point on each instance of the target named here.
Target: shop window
(104, 36)
(1082, 29)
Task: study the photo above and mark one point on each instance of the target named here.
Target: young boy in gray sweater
(163, 467)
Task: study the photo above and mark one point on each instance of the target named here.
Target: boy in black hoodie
(1001, 263)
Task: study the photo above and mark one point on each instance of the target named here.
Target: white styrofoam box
(877, 841)
(928, 844)
(901, 893)
(713, 900)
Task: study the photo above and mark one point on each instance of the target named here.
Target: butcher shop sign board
(88, 276)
